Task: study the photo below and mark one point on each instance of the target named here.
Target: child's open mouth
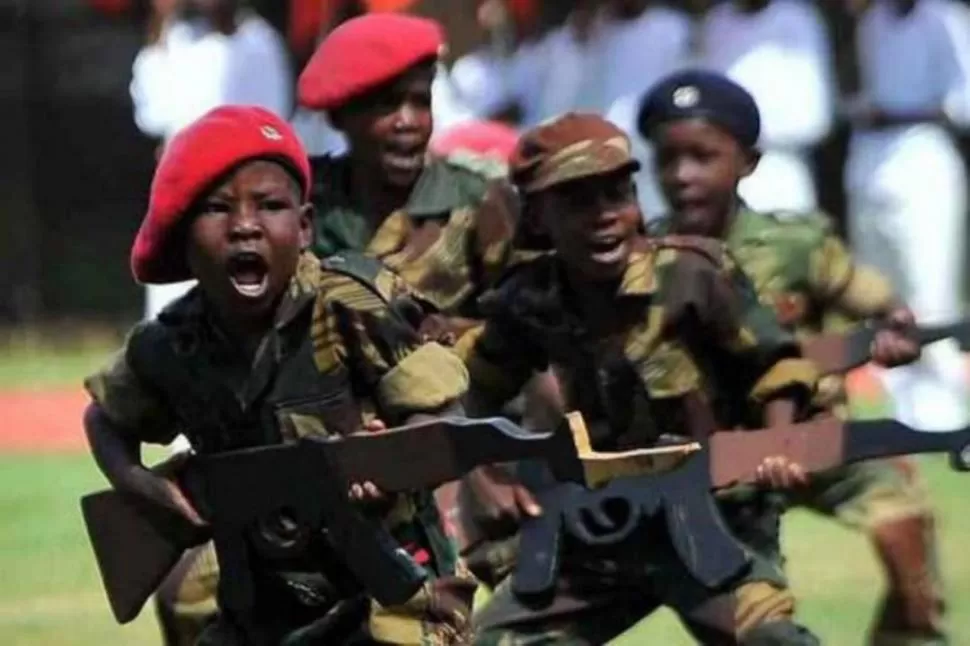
(404, 157)
(607, 250)
(249, 274)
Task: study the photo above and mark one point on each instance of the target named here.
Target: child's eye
(215, 206)
(274, 205)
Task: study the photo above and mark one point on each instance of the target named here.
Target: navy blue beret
(697, 94)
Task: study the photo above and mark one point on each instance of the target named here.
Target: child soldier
(259, 353)
(650, 339)
(444, 225)
(705, 128)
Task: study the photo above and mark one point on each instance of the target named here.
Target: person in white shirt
(907, 185)
(637, 43)
(779, 51)
(209, 53)
(603, 59)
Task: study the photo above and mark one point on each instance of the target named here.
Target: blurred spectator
(202, 54)
(602, 59)
(638, 42)
(906, 183)
(495, 81)
(779, 51)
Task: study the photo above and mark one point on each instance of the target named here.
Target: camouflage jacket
(691, 348)
(450, 241)
(805, 273)
(803, 270)
(335, 356)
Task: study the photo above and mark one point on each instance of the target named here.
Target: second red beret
(364, 53)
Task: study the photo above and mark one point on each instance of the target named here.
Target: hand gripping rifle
(841, 352)
(643, 482)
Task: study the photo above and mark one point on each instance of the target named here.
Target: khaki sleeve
(856, 290)
(494, 228)
(764, 357)
(130, 403)
(356, 330)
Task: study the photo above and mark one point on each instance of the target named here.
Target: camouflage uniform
(805, 273)
(450, 241)
(685, 347)
(335, 357)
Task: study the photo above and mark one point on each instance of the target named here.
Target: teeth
(251, 290)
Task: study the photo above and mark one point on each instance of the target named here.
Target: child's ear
(306, 226)
(751, 158)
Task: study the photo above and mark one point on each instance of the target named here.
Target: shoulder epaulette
(360, 267)
(711, 248)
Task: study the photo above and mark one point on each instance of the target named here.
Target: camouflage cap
(568, 148)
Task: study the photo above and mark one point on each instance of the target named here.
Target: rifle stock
(136, 544)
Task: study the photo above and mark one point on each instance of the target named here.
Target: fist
(778, 472)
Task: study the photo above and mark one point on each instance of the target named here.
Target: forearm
(118, 457)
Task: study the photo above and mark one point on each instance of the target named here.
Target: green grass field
(52, 596)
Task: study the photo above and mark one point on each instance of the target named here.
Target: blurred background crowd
(90, 90)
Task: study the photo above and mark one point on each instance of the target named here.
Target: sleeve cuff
(427, 379)
(786, 374)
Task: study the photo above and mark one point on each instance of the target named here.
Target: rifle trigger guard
(592, 505)
(281, 535)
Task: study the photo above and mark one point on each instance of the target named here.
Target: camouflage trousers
(886, 500)
(602, 592)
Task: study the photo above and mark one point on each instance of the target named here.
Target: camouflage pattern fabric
(450, 241)
(802, 270)
(643, 381)
(567, 148)
(341, 330)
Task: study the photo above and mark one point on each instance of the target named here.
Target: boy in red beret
(258, 353)
(443, 224)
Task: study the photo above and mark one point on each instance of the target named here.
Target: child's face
(389, 128)
(592, 223)
(246, 238)
(699, 167)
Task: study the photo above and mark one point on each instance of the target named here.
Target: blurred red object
(486, 138)
(377, 6)
(524, 12)
(308, 17)
(116, 7)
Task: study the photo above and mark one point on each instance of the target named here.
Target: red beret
(364, 53)
(193, 160)
(487, 138)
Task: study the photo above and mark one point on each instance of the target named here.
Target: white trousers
(907, 217)
(782, 182)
